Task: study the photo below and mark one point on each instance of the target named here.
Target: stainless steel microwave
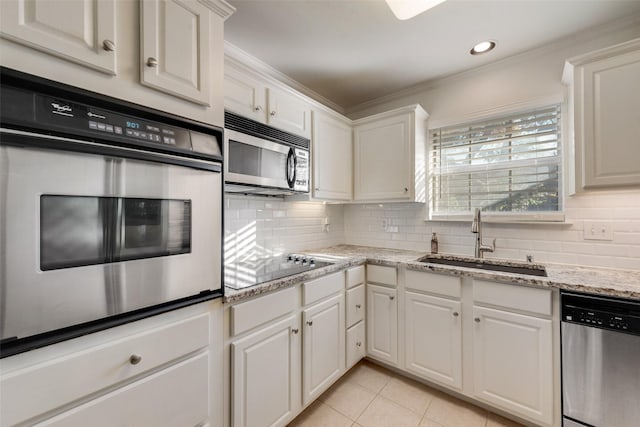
(264, 160)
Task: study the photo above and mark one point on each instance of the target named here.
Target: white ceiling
(352, 51)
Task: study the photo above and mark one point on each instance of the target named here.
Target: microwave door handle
(291, 167)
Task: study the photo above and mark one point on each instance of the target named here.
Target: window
(505, 165)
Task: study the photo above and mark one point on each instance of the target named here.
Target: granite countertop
(612, 282)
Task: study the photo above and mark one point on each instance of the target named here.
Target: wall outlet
(597, 230)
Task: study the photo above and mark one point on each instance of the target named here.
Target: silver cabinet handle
(152, 62)
(358, 305)
(391, 297)
(309, 322)
(108, 45)
(477, 320)
(273, 113)
(294, 330)
(257, 108)
(135, 359)
(456, 314)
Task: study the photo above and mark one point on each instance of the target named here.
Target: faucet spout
(476, 228)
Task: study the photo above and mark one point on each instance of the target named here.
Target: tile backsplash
(257, 226)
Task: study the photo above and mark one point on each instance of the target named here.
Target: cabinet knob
(135, 359)
(294, 330)
(456, 314)
(257, 108)
(152, 62)
(317, 188)
(272, 113)
(358, 305)
(108, 45)
(391, 297)
(310, 322)
(406, 190)
(358, 344)
(477, 320)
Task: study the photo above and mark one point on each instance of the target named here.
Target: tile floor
(371, 396)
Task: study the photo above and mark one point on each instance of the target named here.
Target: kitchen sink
(483, 264)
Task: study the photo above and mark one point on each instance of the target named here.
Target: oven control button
(93, 125)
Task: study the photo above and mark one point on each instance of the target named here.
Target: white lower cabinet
(433, 338)
(266, 375)
(323, 351)
(382, 323)
(512, 362)
(356, 349)
(177, 396)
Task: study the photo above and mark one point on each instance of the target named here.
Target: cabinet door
(288, 112)
(382, 323)
(245, 95)
(79, 31)
(355, 344)
(332, 158)
(434, 338)
(610, 127)
(323, 353)
(355, 305)
(175, 396)
(266, 375)
(512, 362)
(175, 48)
(382, 164)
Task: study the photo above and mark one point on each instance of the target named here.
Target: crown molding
(250, 63)
(618, 25)
(220, 7)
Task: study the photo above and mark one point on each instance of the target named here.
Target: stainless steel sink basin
(484, 264)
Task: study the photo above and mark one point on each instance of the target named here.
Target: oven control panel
(602, 312)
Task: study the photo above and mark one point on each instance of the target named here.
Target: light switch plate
(597, 230)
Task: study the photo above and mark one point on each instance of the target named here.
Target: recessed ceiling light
(482, 47)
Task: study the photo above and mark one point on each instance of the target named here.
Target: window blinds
(508, 164)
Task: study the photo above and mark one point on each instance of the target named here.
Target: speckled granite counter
(621, 283)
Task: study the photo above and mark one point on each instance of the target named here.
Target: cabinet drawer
(248, 315)
(440, 284)
(381, 274)
(323, 287)
(515, 297)
(43, 387)
(355, 305)
(355, 344)
(176, 396)
(355, 276)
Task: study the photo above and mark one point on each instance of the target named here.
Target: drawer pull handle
(391, 297)
(477, 320)
(358, 305)
(295, 330)
(310, 322)
(108, 45)
(135, 359)
(152, 62)
(456, 314)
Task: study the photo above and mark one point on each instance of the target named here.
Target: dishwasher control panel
(601, 312)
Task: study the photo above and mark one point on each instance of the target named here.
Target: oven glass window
(79, 230)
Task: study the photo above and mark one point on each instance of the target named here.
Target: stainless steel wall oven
(109, 212)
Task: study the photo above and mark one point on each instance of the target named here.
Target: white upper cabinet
(604, 100)
(389, 149)
(83, 32)
(332, 158)
(176, 44)
(250, 96)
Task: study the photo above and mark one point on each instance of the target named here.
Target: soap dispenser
(434, 243)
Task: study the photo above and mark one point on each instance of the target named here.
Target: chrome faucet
(476, 227)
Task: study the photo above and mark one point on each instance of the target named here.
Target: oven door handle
(292, 162)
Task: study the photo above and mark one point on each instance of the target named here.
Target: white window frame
(496, 113)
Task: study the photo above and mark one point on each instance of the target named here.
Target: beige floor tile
(494, 420)
(319, 414)
(348, 398)
(426, 422)
(452, 412)
(369, 376)
(407, 393)
(382, 412)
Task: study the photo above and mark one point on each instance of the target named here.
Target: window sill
(557, 219)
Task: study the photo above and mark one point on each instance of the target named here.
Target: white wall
(260, 226)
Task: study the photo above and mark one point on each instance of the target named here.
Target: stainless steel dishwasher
(600, 361)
